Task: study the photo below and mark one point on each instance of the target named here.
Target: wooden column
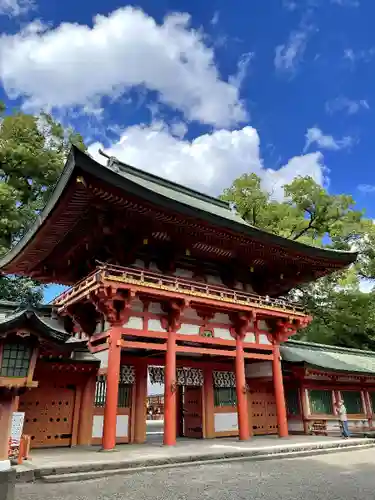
(111, 401)
(208, 403)
(6, 410)
(140, 403)
(242, 402)
(279, 392)
(170, 391)
(171, 322)
(86, 412)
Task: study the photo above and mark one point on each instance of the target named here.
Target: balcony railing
(179, 285)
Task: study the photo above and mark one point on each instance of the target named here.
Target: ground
(337, 476)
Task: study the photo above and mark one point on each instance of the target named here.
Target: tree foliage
(33, 151)
(343, 315)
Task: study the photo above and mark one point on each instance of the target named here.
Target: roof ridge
(167, 183)
(317, 346)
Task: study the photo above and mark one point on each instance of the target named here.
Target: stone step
(97, 471)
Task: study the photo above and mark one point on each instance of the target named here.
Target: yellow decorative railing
(179, 285)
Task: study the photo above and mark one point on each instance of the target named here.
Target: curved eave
(85, 163)
(31, 320)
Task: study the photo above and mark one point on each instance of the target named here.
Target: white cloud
(363, 55)
(15, 8)
(315, 136)
(290, 54)
(366, 188)
(346, 3)
(74, 64)
(350, 106)
(210, 162)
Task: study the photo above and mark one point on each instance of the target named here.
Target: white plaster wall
(189, 329)
(191, 313)
(226, 422)
(213, 280)
(134, 322)
(137, 306)
(222, 333)
(155, 308)
(248, 288)
(295, 426)
(102, 356)
(259, 369)
(249, 337)
(122, 426)
(97, 426)
(184, 273)
(154, 267)
(263, 325)
(263, 339)
(221, 318)
(155, 326)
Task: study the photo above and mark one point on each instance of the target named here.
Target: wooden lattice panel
(262, 406)
(193, 412)
(49, 411)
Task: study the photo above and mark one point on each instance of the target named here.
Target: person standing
(343, 417)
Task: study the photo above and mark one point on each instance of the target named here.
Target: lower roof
(326, 357)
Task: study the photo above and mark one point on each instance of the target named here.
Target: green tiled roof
(328, 357)
(176, 192)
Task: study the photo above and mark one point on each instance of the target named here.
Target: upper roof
(27, 253)
(326, 357)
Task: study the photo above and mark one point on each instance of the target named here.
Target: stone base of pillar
(7, 483)
(4, 465)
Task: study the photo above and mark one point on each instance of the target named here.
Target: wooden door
(192, 409)
(262, 411)
(49, 411)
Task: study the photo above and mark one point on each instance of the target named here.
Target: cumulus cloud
(349, 106)
(73, 64)
(210, 162)
(15, 8)
(315, 136)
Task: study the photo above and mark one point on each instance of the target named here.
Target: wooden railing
(180, 285)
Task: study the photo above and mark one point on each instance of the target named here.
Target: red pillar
(242, 403)
(279, 392)
(140, 402)
(170, 391)
(111, 401)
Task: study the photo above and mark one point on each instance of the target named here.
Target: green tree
(343, 315)
(33, 150)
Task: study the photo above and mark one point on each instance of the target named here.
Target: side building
(317, 376)
(166, 280)
(46, 373)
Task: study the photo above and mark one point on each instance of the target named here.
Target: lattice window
(15, 361)
(224, 379)
(292, 402)
(352, 401)
(321, 402)
(124, 393)
(225, 396)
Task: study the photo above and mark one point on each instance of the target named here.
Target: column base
(102, 450)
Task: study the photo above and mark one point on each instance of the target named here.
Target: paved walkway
(56, 460)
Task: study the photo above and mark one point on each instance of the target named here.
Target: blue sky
(201, 92)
